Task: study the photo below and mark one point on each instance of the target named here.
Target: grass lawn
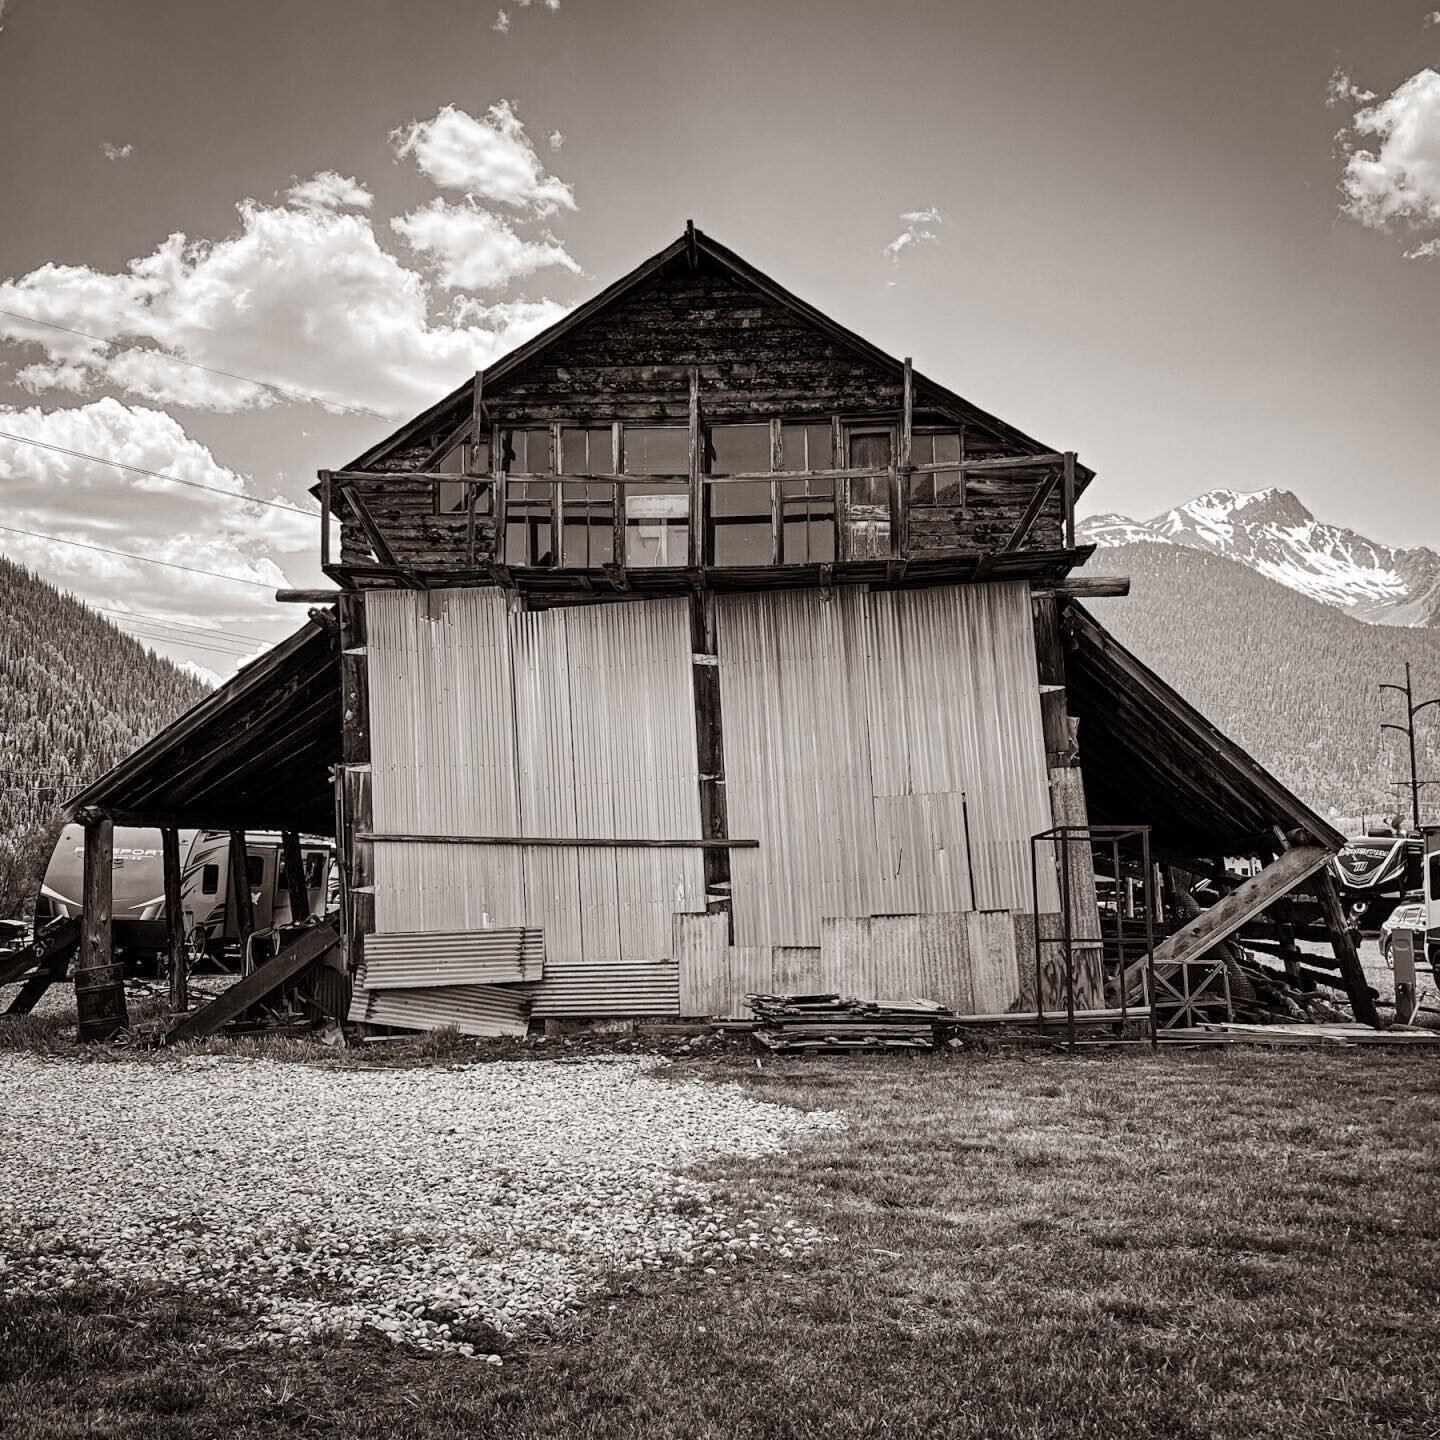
(1197, 1244)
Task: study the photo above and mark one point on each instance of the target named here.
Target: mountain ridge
(1275, 534)
(76, 696)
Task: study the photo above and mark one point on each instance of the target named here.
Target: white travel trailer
(139, 886)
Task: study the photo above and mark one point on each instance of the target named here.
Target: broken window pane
(527, 452)
(657, 525)
(529, 531)
(657, 450)
(739, 449)
(586, 450)
(588, 528)
(938, 487)
(806, 447)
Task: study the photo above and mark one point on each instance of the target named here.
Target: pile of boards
(834, 1024)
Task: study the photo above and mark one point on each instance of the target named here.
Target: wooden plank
(585, 841)
(295, 883)
(1043, 491)
(696, 458)
(176, 956)
(60, 935)
(1245, 902)
(1342, 941)
(261, 982)
(1068, 473)
(242, 904)
(325, 484)
(1088, 587)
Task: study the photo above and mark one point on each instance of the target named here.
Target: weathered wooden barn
(699, 648)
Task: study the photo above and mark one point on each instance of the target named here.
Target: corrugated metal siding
(471, 1009)
(595, 990)
(563, 722)
(852, 726)
(467, 957)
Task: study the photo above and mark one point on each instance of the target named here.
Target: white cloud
(1433, 18)
(502, 22)
(1392, 158)
(116, 152)
(473, 249)
(327, 190)
(305, 299)
(556, 139)
(1426, 250)
(95, 504)
(552, 4)
(917, 232)
(490, 158)
(1340, 89)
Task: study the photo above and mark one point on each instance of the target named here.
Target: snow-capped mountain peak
(1273, 532)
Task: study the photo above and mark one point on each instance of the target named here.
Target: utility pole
(1408, 730)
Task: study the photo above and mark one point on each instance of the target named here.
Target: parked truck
(138, 888)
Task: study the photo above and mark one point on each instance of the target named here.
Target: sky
(1198, 244)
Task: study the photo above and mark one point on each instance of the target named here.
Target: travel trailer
(139, 887)
(1376, 871)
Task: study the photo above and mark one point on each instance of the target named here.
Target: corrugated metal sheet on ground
(852, 727)
(561, 722)
(471, 1009)
(466, 957)
(583, 990)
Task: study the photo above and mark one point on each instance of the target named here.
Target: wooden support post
(175, 949)
(99, 982)
(777, 502)
(900, 545)
(1069, 483)
(295, 882)
(324, 519)
(1342, 942)
(499, 500)
(357, 908)
(697, 467)
(710, 751)
(242, 907)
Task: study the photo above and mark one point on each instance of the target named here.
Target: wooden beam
(295, 882)
(1068, 472)
(310, 946)
(777, 501)
(1087, 587)
(378, 543)
(1043, 491)
(692, 252)
(325, 482)
(99, 981)
(175, 947)
(696, 455)
(1342, 942)
(306, 597)
(603, 842)
(242, 904)
(1242, 904)
(357, 904)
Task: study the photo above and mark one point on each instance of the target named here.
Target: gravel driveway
(427, 1203)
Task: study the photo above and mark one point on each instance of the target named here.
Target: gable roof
(695, 243)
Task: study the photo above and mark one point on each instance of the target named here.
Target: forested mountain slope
(76, 695)
(1293, 680)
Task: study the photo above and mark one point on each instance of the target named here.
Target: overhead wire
(159, 475)
(144, 559)
(195, 365)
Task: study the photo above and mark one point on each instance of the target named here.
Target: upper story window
(464, 457)
(587, 507)
(937, 487)
(741, 528)
(657, 511)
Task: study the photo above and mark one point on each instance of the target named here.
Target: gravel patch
(431, 1205)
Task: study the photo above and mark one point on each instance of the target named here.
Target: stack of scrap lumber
(831, 1023)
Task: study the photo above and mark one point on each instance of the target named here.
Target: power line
(152, 638)
(195, 365)
(173, 624)
(144, 559)
(160, 474)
